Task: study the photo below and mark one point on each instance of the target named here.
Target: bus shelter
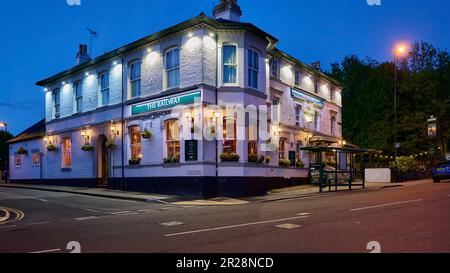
(335, 168)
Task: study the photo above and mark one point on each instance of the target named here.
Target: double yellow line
(18, 215)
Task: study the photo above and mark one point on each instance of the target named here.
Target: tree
(4, 154)
(423, 91)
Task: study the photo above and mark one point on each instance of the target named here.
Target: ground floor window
(36, 159)
(229, 135)
(282, 149)
(173, 142)
(17, 161)
(135, 142)
(67, 153)
(252, 139)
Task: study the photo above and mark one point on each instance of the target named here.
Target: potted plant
(284, 163)
(300, 164)
(110, 145)
(253, 158)
(22, 151)
(172, 159)
(147, 134)
(87, 148)
(268, 159)
(51, 148)
(134, 161)
(229, 157)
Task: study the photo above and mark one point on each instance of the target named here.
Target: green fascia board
(165, 103)
(275, 52)
(201, 19)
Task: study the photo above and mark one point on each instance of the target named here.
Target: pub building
(123, 120)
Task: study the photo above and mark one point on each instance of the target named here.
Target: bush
(404, 164)
(173, 159)
(300, 164)
(229, 157)
(285, 163)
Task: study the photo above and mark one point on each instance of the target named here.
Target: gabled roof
(35, 131)
(218, 24)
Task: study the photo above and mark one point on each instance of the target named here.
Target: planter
(229, 157)
(300, 164)
(22, 151)
(284, 163)
(268, 159)
(52, 148)
(87, 148)
(254, 158)
(134, 161)
(172, 160)
(147, 134)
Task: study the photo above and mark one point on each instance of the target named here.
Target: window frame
(33, 157)
(104, 89)
(332, 93)
(282, 148)
(316, 86)
(18, 159)
(135, 147)
(297, 78)
(229, 142)
(235, 65)
(253, 69)
(298, 115)
(56, 93)
(78, 98)
(66, 151)
(175, 68)
(135, 81)
(172, 143)
(275, 68)
(333, 127)
(316, 121)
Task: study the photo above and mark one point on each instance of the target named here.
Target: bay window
(253, 68)
(229, 64)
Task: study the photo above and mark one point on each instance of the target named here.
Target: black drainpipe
(217, 102)
(124, 186)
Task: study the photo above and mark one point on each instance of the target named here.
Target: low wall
(378, 175)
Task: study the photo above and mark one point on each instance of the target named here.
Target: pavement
(274, 195)
(414, 218)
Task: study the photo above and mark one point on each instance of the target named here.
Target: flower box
(22, 151)
(229, 157)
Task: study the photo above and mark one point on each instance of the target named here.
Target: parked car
(441, 171)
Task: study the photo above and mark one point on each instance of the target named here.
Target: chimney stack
(82, 55)
(316, 66)
(228, 10)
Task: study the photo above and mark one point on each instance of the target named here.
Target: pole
(395, 104)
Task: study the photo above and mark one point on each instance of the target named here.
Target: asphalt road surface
(412, 218)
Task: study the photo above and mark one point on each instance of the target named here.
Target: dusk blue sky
(40, 37)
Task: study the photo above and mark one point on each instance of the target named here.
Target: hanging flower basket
(22, 151)
(147, 134)
(87, 148)
(110, 145)
(52, 148)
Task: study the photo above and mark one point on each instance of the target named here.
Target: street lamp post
(5, 125)
(398, 50)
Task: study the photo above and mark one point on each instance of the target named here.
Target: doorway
(102, 162)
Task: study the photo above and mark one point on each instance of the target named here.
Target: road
(411, 218)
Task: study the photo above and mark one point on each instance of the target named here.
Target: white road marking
(146, 210)
(126, 214)
(236, 226)
(39, 223)
(386, 205)
(91, 210)
(46, 251)
(43, 200)
(86, 218)
(6, 217)
(288, 226)
(156, 200)
(298, 198)
(171, 224)
(120, 212)
(303, 214)
(5, 227)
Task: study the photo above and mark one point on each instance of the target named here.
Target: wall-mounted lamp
(114, 131)
(85, 136)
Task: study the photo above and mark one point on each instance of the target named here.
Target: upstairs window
(275, 68)
(78, 97)
(333, 126)
(66, 153)
(229, 64)
(297, 81)
(135, 79)
(104, 88)
(316, 120)
(332, 93)
(173, 138)
(253, 68)
(173, 67)
(57, 103)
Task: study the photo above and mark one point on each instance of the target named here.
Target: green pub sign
(165, 103)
